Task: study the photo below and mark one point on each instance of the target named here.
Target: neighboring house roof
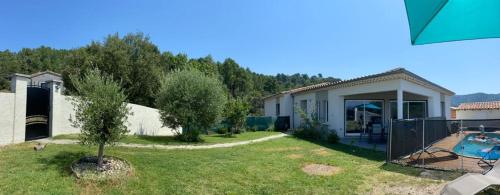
(45, 72)
(494, 105)
(398, 73)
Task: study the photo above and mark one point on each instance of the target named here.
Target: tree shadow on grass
(351, 150)
(157, 139)
(61, 161)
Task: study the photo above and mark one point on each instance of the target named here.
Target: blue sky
(342, 38)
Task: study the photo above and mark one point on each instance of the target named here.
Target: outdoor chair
(490, 157)
(376, 131)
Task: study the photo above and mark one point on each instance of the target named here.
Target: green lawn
(169, 140)
(272, 167)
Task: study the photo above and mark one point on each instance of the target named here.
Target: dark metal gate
(37, 112)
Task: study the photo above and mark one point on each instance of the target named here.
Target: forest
(137, 63)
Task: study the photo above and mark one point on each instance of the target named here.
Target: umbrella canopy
(368, 106)
(433, 21)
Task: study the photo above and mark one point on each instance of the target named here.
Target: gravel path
(170, 147)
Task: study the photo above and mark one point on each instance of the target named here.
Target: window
(361, 115)
(443, 111)
(322, 108)
(325, 109)
(411, 109)
(303, 105)
(277, 109)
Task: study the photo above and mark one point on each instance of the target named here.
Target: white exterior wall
(434, 101)
(286, 105)
(478, 114)
(6, 117)
(270, 107)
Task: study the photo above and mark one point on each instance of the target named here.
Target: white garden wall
(6, 117)
(143, 121)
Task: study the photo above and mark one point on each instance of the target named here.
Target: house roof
(494, 105)
(398, 73)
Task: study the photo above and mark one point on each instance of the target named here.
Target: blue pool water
(476, 147)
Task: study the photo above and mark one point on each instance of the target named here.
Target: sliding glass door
(362, 114)
(411, 109)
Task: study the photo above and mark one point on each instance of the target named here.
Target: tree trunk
(100, 155)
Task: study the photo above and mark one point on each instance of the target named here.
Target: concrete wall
(13, 111)
(143, 121)
(6, 117)
(478, 114)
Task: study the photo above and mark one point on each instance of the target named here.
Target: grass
(261, 168)
(169, 140)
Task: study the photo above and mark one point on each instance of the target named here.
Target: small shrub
(333, 138)
(222, 130)
(307, 133)
(311, 128)
(189, 136)
(253, 128)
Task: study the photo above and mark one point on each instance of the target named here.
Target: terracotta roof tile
(494, 105)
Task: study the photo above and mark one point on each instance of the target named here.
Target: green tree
(100, 111)
(236, 112)
(237, 79)
(191, 100)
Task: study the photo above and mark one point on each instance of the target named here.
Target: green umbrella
(434, 21)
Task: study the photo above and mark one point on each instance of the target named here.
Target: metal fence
(439, 143)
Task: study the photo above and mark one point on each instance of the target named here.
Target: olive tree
(191, 100)
(100, 110)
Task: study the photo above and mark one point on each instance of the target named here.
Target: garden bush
(191, 100)
(311, 128)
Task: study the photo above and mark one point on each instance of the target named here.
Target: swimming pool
(475, 147)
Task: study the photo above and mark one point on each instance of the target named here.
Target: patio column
(400, 103)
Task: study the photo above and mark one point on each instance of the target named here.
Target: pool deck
(445, 161)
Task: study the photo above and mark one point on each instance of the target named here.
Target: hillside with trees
(139, 66)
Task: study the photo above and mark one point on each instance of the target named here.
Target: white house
(350, 107)
(478, 110)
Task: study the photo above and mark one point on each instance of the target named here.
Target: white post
(400, 103)
(461, 133)
(55, 95)
(423, 140)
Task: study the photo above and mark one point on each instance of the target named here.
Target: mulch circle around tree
(113, 168)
